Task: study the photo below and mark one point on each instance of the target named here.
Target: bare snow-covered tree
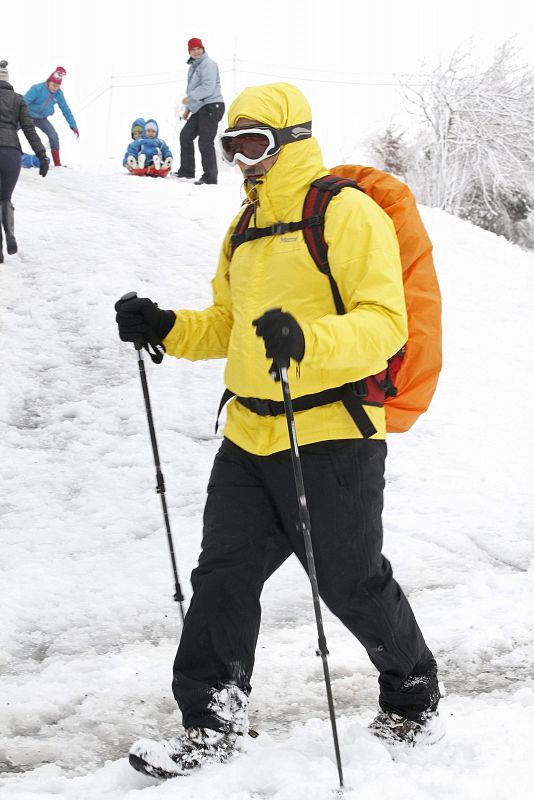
(474, 153)
(390, 151)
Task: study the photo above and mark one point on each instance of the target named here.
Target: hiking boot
(172, 757)
(395, 729)
(8, 221)
(204, 180)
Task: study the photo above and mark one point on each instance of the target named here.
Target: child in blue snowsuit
(150, 150)
(137, 131)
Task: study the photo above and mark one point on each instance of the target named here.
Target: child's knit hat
(57, 75)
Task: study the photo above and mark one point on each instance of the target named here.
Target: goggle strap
(294, 133)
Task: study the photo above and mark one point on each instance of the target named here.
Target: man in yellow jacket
(271, 301)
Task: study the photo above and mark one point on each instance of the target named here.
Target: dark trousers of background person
(204, 124)
(10, 164)
(250, 529)
(48, 129)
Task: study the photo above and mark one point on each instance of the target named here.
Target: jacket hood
(153, 121)
(139, 121)
(299, 163)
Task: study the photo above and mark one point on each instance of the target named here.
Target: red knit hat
(195, 43)
(57, 75)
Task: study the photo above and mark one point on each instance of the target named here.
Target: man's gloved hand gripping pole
(141, 321)
(282, 336)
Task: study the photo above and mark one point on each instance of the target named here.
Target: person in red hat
(203, 110)
(41, 99)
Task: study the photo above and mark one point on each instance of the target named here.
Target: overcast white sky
(344, 54)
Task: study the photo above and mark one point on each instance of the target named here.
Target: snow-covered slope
(88, 627)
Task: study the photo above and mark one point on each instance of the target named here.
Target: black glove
(282, 335)
(141, 321)
(44, 163)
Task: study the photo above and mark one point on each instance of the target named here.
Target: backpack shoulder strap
(239, 234)
(315, 204)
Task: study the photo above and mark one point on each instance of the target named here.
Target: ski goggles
(252, 145)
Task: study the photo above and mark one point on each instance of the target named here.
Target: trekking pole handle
(124, 299)
(276, 366)
(128, 296)
(279, 363)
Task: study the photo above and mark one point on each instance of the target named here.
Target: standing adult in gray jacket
(14, 113)
(204, 109)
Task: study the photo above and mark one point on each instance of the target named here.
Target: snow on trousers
(250, 529)
(204, 124)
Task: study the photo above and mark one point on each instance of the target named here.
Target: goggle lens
(250, 145)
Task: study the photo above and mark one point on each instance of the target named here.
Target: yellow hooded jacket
(278, 272)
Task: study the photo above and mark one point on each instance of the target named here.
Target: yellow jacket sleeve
(205, 334)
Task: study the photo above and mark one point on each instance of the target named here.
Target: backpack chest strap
(250, 234)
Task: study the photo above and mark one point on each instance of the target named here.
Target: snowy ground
(88, 626)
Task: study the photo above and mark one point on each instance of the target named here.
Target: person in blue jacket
(204, 109)
(41, 99)
(137, 132)
(150, 150)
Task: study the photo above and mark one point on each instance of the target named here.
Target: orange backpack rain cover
(418, 375)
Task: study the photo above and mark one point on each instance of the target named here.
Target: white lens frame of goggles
(271, 150)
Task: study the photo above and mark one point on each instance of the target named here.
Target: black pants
(10, 164)
(204, 124)
(250, 529)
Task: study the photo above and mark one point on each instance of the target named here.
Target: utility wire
(238, 70)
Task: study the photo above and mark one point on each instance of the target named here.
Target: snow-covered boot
(395, 729)
(55, 158)
(141, 160)
(131, 162)
(8, 221)
(156, 162)
(172, 757)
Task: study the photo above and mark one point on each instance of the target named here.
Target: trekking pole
(304, 526)
(160, 482)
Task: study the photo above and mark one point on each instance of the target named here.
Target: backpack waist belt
(350, 394)
(273, 408)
